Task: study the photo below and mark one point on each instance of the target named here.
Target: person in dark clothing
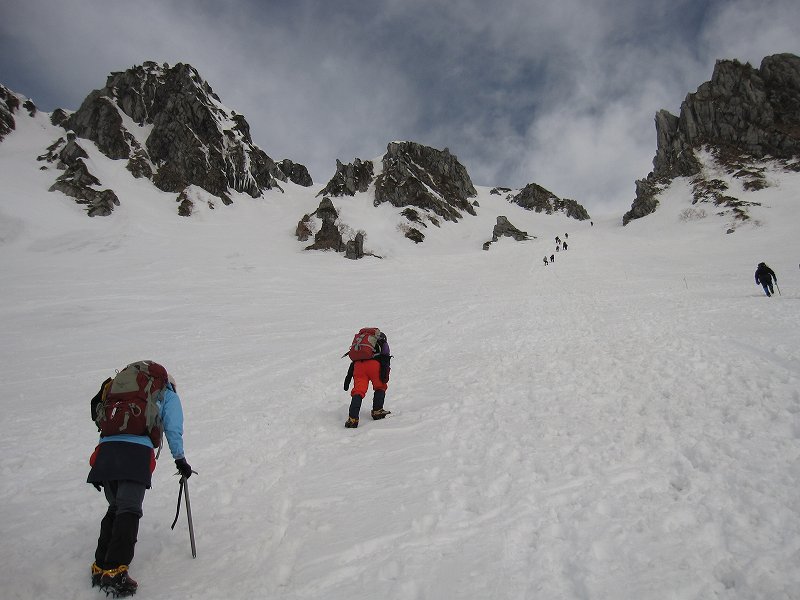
(363, 372)
(552, 258)
(545, 261)
(764, 277)
(121, 467)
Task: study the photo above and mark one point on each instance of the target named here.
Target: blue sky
(559, 93)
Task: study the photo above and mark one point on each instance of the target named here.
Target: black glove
(184, 468)
(349, 376)
(384, 360)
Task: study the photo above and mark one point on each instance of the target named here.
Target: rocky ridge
(429, 186)
(741, 116)
(536, 198)
(171, 128)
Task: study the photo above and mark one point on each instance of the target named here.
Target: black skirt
(118, 461)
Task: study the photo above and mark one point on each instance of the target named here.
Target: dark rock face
(296, 172)
(192, 139)
(185, 204)
(415, 235)
(99, 120)
(349, 179)
(504, 228)
(58, 117)
(646, 201)
(536, 198)
(303, 230)
(9, 104)
(354, 249)
(428, 184)
(76, 180)
(426, 178)
(328, 237)
(741, 111)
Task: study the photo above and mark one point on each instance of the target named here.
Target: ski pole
(779, 289)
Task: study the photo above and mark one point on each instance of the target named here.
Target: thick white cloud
(560, 93)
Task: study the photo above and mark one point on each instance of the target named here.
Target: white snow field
(623, 424)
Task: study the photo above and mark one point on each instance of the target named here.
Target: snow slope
(622, 424)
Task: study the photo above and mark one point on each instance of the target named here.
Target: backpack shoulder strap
(100, 397)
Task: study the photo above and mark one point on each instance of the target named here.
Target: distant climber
(545, 261)
(764, 277)
(370, 363)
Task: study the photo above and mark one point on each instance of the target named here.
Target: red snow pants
(364, 373)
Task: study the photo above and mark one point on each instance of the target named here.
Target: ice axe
(184, 491)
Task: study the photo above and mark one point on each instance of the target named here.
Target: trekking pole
(184, 487)
(779, 288)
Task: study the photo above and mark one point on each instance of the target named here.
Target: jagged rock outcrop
(328, 237)
(76, 181)
(190, 138)
(297, 173)
(741, 113)
(58, 117)
(331, 232)
(504, 228)
(426, 178)
(349, 178)
(354, 249)
(428, 184)
(99, 119)
(9, 104)
(499, 191)
(536, 198)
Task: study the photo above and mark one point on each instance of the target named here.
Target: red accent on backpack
(132, 402)
(364, 344)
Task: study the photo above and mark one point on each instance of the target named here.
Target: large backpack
(130, 403)
(366, 344)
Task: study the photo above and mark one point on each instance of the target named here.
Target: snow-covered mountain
(623, 423)
(166, 125)
(169, 127)
(740, 118)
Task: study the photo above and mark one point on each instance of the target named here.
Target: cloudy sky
(561, 93)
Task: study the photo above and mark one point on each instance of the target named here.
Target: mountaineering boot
(97, 573)
(355, 408)
(117, 582)
(377, 405)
